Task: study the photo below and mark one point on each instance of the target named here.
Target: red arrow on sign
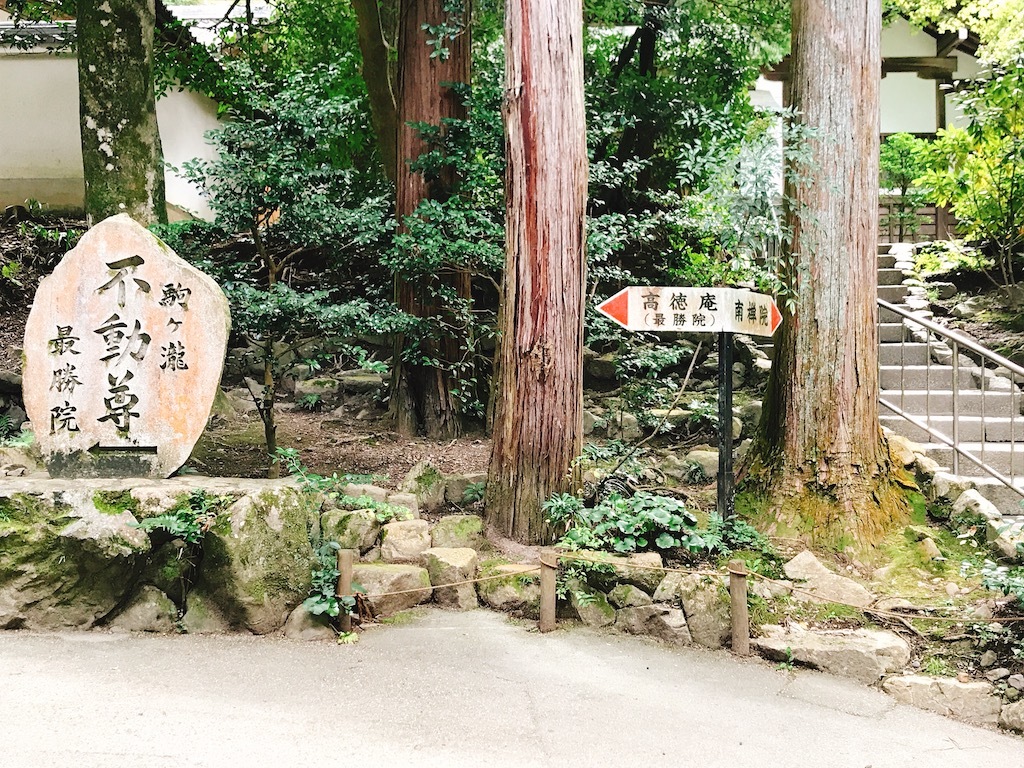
(776, 319)
(617, 308)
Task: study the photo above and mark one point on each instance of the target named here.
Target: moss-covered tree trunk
(117, 105)
(819, 459)
(539, 383)
(376, 71)
(422, 398)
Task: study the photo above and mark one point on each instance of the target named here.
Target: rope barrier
(663, 569)
(453, 583)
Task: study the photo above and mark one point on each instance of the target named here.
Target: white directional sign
(693, 310)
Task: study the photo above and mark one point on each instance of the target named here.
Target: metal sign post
(701, 310)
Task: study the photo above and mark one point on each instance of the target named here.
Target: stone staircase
(918, 375)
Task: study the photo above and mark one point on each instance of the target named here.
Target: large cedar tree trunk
(538, 386)
(819, 457)
(117, 105)
(421, 395)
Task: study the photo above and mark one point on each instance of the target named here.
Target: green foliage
(333, 488)
(323, 597)
(979, 171)
(998, 23)
(643, 521)
(474, 492)
(311, 401)
(12, 436)
(1002, 578)
(189, 520)
(944, 256)
(902, 160)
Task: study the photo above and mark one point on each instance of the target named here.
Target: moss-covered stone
(115, 502)
(258, 560)
(458, 531)
(516, 592)
(63, 563)
(352, 529)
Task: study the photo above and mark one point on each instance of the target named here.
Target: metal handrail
(956, 342)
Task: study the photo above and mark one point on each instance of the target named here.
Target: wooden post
(740, 617)
(548, 576)
(345, 560)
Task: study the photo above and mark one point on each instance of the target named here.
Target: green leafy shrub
(323, 598)
(190, 519)
(901, 162)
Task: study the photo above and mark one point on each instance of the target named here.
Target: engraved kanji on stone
(709, 302)
(650, 300)
(64, 379)
(173, 324)
(120, 403)
(738, 311)
(175, 294)
(122, 270)
(762, 315)
(64, 342)
(678, 318)
(659, 318)
(120, 343)
(62, 418)
(751, 311)
(174, 357)
(699, 319)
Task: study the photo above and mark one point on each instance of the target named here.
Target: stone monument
(124, 349)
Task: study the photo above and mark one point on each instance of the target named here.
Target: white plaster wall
(900, 38)
(40, 138)
(184, 118)
(907, 103)
(41, 148)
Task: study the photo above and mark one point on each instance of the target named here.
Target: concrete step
(894, 294)
(921, 403)
(970, 428)
(1006, 458)
(890, 276)
(908, 353)
(904, 377)
(890, 332)
(886, 261)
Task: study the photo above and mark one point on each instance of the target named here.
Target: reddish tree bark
(538, 428)
(421, 395)
(819, 458)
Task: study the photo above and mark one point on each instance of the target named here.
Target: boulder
(352, 529)
(455, 486)
(624, 426)
(628, 596)
(64, 564)
(971, 501)
(360, 382)
(302, 625)
(1012, 716)
(972, 702)
(901, 450)
(257, 560)
(458, 531)
(404, 541)
(590, 605)
(705, 603)
(641, 569)
(379, 580)
(862, 654)
(323, 386)
(365, 489)
(202, 616)
(707, 460)
(1006, 539)
(428, 484)
(149, 611)
(406, 500)
(823, 585)
(447, 565)
(517, 592)
(171, 569)
(947, 487)
(661, 621)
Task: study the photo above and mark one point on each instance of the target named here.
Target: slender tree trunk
(117, 105)
(539, 387)
(819, 457)
(421, 394)
(377, 75)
